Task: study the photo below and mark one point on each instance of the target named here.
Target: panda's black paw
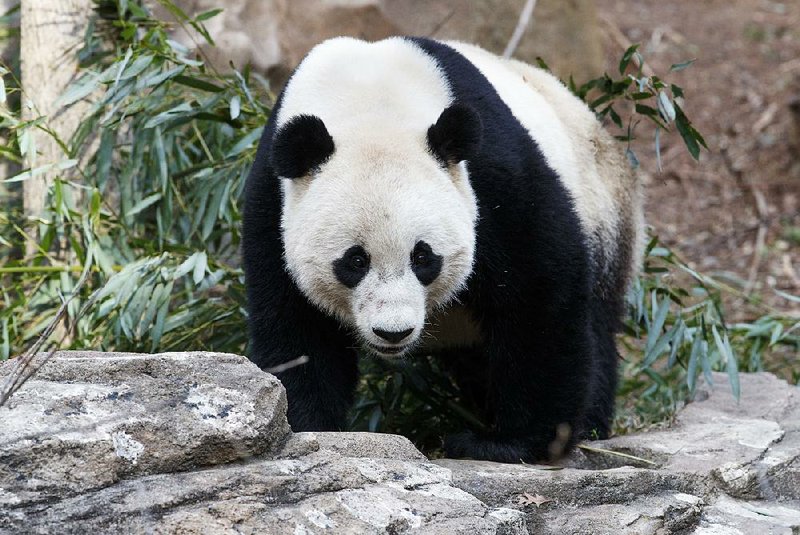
(471, 445)
(461, 445)
(498, 448)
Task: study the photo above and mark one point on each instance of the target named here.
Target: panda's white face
(379, 236)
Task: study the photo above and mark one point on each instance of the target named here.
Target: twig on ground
(763, 220)
(441, 23)
(299, 361)
(788, 270)
(760, 241)
(755, 263)
(766, 118)
(616, 453)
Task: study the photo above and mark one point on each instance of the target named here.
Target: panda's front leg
(320, 391)
(316, 355)
(538, 386)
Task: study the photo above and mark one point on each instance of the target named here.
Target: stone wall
(198, 443)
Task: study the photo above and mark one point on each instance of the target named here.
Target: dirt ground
(735, 214)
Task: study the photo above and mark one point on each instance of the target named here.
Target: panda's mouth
(387, 351)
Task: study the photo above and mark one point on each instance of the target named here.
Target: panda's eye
(352, 266)
(425, 263)
(358, 262)
(420, 258)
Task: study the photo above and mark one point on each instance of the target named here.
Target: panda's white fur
(604, 186)
(384, 199)
(372, 190)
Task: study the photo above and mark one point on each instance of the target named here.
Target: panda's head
(379, 229)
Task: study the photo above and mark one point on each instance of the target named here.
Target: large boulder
(88, 420)
(198, 443)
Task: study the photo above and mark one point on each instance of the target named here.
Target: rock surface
(721, 468)
(198, 443)
(89, 419)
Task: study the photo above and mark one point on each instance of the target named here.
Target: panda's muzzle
(389, 311)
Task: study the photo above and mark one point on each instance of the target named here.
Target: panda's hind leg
(602, 384)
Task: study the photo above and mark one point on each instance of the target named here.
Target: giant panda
(411, 197)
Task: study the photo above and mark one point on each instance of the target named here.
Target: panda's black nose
(393, 336)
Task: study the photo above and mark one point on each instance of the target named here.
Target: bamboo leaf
(144, 204)
(30, 173)
(627, 57)
(691, 368)
(85, 86)
(244, 143)
(665, 107)
(680, 66)
(235, 107)
(208, 14)
(197, 83)
(726, 352)
(200, 267)
(186, 266)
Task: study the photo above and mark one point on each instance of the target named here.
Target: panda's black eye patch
(352, 266)
(425, 263)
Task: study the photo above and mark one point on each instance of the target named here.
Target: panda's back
(586, 159)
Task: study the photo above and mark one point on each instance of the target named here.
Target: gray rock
(197, 443)
(303, 495)
(503, 485)
(89, 419)
(375, 445)
(650, 515)
(727, 516)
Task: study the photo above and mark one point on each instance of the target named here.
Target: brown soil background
(735, 214)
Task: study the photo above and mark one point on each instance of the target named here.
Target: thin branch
(522, 25)
(24, 366)
(763, 219)
(299, 361)
(616, 454)
(441, 23)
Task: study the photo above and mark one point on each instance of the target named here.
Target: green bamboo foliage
(167, 144)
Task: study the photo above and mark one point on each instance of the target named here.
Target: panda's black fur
(548, 360)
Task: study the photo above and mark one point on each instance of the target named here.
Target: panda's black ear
(300, 145)
(456, 136)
